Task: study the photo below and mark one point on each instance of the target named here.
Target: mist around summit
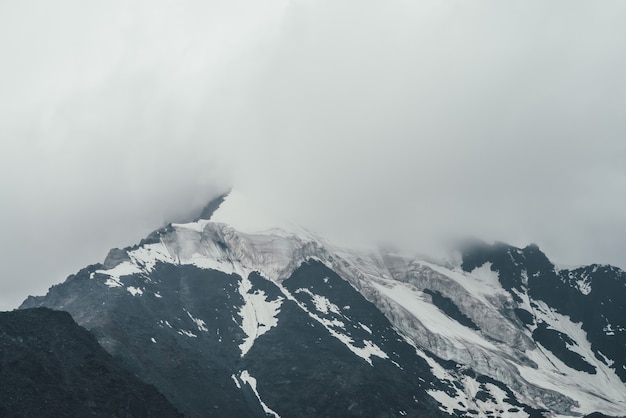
(366, 121)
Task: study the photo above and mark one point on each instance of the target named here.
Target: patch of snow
(602, 392)
(221, 247)
(187, 333)
(418, 304)
(482, 283)
(370, 349)
(148, 255)
(498, 402)
(113, 282)
(123, 269)
(236, 381)
(365, 327)
(447, 402)
(153, 340)
(322, 304)
(584, 286)
(258, 315)
(606, 360)
(488, 280)
(245, 377)
(201, 249)
(135, 291)
(199, 322)
(158, 295)
(608, 330)
(465, 390)
(524, 278)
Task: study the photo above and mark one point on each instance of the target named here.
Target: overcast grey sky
(372, 120)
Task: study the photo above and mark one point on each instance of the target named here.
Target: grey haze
(390, 121)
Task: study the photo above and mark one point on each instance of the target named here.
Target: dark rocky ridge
(51, 367)
(600, 308)
(211, 207)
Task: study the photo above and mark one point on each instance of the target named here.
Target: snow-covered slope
(270, 307)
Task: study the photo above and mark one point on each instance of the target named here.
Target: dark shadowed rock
(211, 207)
(51, 367)
(114, 258)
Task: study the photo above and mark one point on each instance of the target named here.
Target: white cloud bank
(383, 120)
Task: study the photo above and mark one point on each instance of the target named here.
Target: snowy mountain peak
(269, 309)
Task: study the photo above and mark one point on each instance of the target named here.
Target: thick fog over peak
(365, 120)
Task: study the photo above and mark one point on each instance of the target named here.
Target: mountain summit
(239, 313)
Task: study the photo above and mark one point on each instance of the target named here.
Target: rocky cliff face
(228, 315)
(591, 296)
(51, 367)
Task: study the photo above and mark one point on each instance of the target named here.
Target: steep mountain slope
(591, 295)
(51, 367)
(233, 315)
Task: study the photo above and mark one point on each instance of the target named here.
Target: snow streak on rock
(434, 319)
(258, 315)
(123, 269)
(246, 378)
(336, 327)
(199, 322)
(466, 393)
(586, 388)
(135, 291)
